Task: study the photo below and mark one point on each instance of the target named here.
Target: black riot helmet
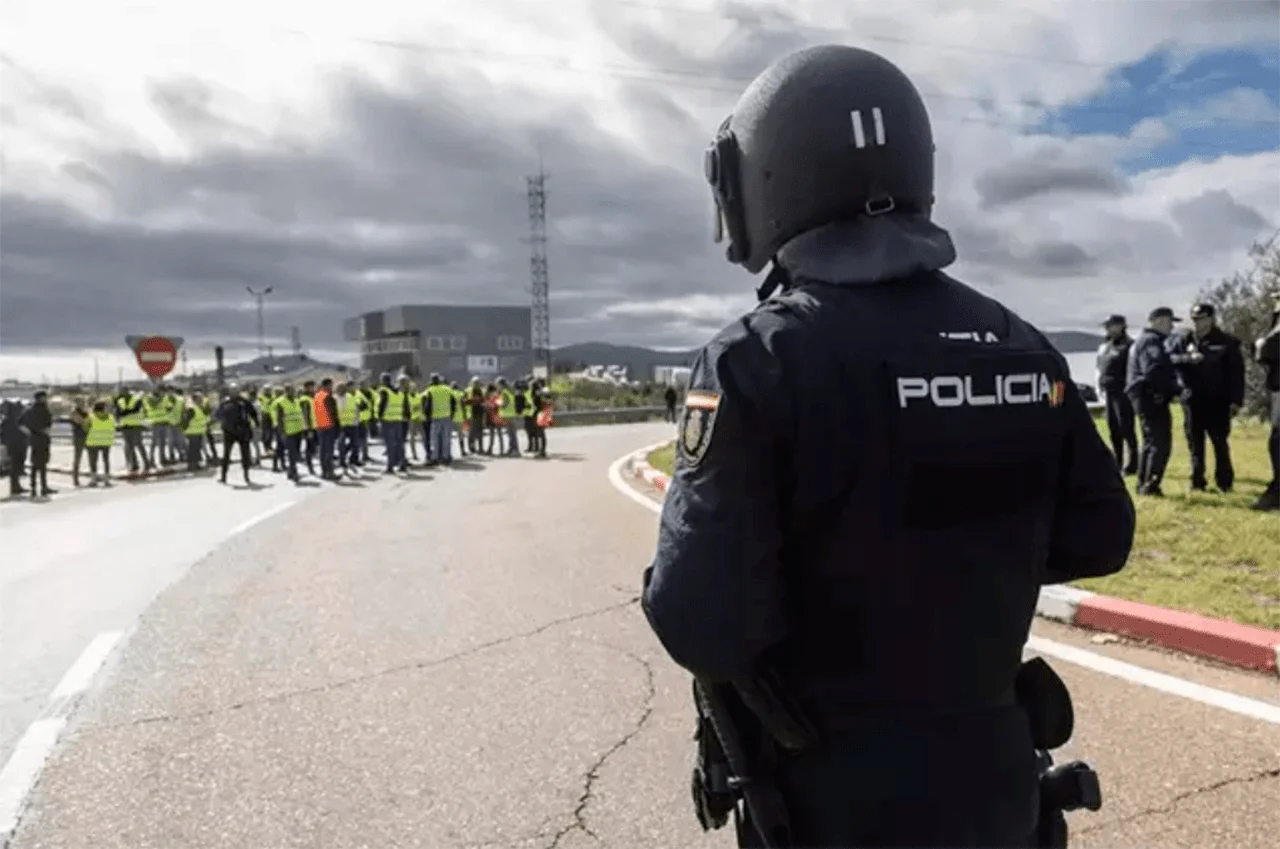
(825, 134)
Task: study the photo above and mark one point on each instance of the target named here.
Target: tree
(1244, 305)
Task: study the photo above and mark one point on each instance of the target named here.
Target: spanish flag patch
(702, 399)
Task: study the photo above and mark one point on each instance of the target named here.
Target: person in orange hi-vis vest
(325, 411)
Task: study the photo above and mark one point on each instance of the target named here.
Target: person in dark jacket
(14, 439)
(1151, 383)
(875, 443)
(1267, 351)
(1212, 392)
(1113, 365)
(238, 418)
(669, 397)
(37, 420)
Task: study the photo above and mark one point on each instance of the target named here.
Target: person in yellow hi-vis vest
(177, 409)
(460, 423)
(417, 425)
(393, 413)
(507, 412)
(348, 407)
(439, 408)
(195, 427)
(289, 415)
(99, 436)
(155, 409)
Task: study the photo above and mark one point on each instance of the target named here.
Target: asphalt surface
(458, 660)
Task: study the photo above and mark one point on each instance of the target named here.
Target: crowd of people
(326, 424)
(1202, 367)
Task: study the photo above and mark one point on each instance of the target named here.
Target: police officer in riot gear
(879, 548)
(1151, 384)
(1113, 361)
(1212, 392)
(1267, 352)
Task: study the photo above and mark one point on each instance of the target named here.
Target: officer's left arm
(715, 592)
(1093, 522)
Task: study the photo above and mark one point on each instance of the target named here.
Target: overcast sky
(1094, 157)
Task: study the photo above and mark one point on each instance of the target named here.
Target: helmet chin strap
(776, 279)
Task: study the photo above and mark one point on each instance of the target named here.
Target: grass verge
(1196, 551)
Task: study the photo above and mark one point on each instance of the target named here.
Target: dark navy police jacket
(873, 482)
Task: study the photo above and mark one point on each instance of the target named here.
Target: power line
(694, 79)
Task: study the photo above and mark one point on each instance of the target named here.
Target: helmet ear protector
(721, 165)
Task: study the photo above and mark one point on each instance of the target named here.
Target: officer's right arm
(716, 594)
(1094, 520)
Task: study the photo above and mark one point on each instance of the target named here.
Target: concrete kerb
(1237, 645)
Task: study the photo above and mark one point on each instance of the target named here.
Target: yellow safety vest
(441, 396)
(416, 413)
(346, 410)
(268, 407)
(101, 432)
(395, 405)
(136, 419)
(460, 410)
(199, 423)
(308, 406)
(290, 411)
(507, 409)
(175, 406)
(366, 411)
(154, 410)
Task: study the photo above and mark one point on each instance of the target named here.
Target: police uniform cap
(1115, 320)
(1162, 312)
(1203, 311)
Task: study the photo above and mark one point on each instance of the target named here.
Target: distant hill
(1073, 341)
(640, 361)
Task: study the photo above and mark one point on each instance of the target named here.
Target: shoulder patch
(697, 425)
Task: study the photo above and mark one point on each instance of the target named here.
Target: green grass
(664, 458)
(1202, 552)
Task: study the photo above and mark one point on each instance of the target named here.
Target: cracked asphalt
(459, 660)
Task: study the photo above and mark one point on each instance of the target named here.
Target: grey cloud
(985, 247)
(1034, 176)
(435, 166)
(1214, 220)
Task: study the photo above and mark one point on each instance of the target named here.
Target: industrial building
(457, 342)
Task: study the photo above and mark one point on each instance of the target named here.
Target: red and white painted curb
(1237, 645)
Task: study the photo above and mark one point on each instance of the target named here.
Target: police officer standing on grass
(1113, 362)
(1151, 384)
(1212, 392)
(864, 506)
(1267, 352)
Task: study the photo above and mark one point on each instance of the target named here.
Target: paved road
(458, 660)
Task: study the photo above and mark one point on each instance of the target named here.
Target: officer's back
(877, 471)
(932, 470)
(1151, 377)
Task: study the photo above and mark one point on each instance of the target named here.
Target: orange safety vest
(319, 413)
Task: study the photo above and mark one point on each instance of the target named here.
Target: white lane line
(80, 675)
(1141, 676)
(261, 517)
(1242, 705)
(23, 768)
(620, 484)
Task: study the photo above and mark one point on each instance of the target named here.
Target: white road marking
(80, 675)
(261, 517)
(34, 747)
(1101, 664)
(1242, 705)
(24, 765)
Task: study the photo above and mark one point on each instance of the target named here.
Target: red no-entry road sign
(156, 355)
